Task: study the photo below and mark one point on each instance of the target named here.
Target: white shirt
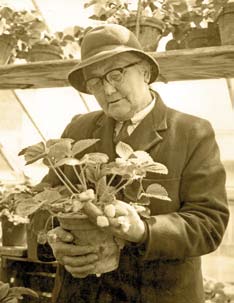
(136, 119)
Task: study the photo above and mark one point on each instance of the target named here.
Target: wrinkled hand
(127, 224)
(124, 221)
(78, 260)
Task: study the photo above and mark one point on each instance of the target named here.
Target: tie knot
(123, 133)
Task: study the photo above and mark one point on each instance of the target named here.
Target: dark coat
(168, 268)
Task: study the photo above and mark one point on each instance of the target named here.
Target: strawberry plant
(99, 181)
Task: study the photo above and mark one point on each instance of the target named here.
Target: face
(123, 88)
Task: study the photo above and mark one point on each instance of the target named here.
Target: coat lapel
(104, 131)
(144, 137)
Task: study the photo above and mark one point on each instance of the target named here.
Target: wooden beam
(176, 65)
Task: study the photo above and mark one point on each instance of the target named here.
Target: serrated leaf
(60, 150)
(52, 142)
(47, 195)
(81, 145)
(33, 153)
(4, 288)
(27, 207)
(67, 161)
(156, 191)
(143, 156)
(157, 168)
(124, 150)
(96, 158)
(90, 173)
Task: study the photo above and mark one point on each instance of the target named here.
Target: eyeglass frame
(104, 77)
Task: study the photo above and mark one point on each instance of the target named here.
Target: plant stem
(83, 177)
(58, 175)
(67, 180)
(111, 179)
(78, 176)
(138, 18)
(123, 186)
(108, 185)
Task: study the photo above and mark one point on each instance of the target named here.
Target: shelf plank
(175, 65)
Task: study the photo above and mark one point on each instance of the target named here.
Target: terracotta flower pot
(44, 52)
(195, 38)
(151, 30)
(13, 235)
(86, 233)
(226, 24)
(6, 46)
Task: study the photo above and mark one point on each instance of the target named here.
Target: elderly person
(161, 259)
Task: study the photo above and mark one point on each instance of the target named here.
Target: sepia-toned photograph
(117, 151)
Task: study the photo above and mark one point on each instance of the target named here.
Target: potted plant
(150, 20)
(98, 185)
(13, 225)
(70, 39)
(45, 48)
(198, 26)
(16, 28)
(14, 294)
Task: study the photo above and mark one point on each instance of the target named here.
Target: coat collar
(144, 137)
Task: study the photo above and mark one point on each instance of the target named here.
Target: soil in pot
(86, 233)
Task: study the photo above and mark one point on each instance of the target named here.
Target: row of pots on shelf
(216, 33)
(39, 52)
(151, 31)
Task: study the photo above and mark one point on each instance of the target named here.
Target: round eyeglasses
(114, 76)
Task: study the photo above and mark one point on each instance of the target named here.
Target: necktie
(123, 134)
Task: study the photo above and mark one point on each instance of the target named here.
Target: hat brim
(76, 76)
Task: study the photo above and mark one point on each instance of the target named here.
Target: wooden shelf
(176, 65)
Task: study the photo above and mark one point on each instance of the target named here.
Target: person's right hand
(78, 260)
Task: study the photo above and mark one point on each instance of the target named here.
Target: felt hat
(103, 42)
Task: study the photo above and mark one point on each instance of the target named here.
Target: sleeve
(198, 226)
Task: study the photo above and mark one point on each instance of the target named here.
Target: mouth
(114, 101)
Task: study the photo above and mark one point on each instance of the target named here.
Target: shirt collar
(143, 113)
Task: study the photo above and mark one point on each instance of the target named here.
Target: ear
(147, 75)
(147, 71)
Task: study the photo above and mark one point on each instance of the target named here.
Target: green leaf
(4, 288)
(124, 150)
(90, 173)
(157, 168)
(33, 153)
(60, 150)
(48, 195)
(143, 156)
(81, 145)
(96, 158)
(156, 191)
(68, 161)
(27, 207)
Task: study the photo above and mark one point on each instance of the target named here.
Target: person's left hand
(124, 223)
(127, 223)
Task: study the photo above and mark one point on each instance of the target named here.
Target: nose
(109, 89)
